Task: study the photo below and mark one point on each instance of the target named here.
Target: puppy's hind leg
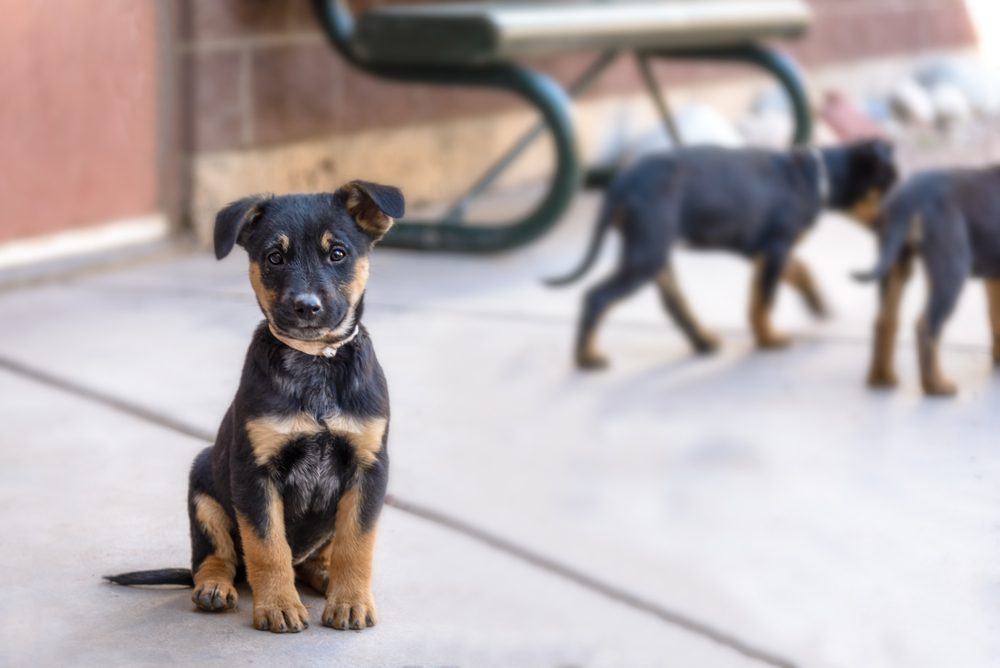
(768, 271)
(703, 341)
(315, 570)
(600, 298)
(213, 551)
(797, 275)
(881, 373)
(993, 293)
(943, 297)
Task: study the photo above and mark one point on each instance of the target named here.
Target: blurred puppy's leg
(993, 292)
(768, 269)
(943, 297)
(797, 275)
(882, 373)
(599, 299)
(703, 341)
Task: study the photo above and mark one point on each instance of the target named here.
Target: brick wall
(79, 121)
(258, 72)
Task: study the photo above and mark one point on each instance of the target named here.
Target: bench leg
(456, 212)
(780, 66)
(655, 92)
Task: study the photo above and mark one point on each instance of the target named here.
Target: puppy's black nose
(306, 305)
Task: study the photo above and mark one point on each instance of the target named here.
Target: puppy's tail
(897, 228)
(162, 576)
(609, 213)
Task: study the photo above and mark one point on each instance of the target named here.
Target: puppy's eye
(337, 254)
(276, 258)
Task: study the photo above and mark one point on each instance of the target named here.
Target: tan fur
(269, 434)
(284, 242)
(931, 376)
(359, 283)
(676, 303)
(760, 314)
(867, 209)
(588, 356)
(276, 603)
(797, 275)
(349, 599)
(326, 241)
(216, 573)
(993, 294)
(265, 297)
(314, 570)
(368, 216)
(882, 373)
(364, 435)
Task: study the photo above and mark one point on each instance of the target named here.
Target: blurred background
(149, 115)
(746, 509)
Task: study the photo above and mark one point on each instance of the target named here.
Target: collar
(822, 176)
(317, 348)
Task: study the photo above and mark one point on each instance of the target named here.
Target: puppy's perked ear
(231, 222)
(374, 207)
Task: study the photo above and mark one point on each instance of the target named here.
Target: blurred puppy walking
(756, 203)
(951, 220)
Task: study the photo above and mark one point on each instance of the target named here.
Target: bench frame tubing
(449, 232)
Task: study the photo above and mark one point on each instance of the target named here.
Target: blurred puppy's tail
(609, 214)
(162, 576)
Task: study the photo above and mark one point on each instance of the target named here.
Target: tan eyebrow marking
(283, 242)
(326, 241)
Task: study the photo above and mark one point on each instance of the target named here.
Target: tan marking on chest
(364, 435)
(270, 434)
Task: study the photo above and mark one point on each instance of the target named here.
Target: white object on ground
(911, 102)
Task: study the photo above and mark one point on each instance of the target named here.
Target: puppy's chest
(311, 471)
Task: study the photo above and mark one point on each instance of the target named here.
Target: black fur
(310, 473)
(950, 219)
(755, 203)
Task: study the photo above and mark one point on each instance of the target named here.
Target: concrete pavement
(770, 497)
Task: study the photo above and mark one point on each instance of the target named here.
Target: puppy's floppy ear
(884, 158)
(874, 162)
(231, 221)
(374, 207)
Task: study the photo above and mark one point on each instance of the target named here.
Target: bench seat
(487, 32)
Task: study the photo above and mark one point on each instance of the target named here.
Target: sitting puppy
(754, 202)
(951, 219)
(295, 481)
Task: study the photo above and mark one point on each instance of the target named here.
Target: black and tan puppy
(951, 220)
(756, 203)
(295, 481)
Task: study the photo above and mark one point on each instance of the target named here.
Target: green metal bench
(482, 44)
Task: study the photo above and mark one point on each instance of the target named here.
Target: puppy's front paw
(707, 344)
(882, 379)
(280, 615)
(591, 361)
(774, 341)
(215, 596)
(940, 387)
(350, 612)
